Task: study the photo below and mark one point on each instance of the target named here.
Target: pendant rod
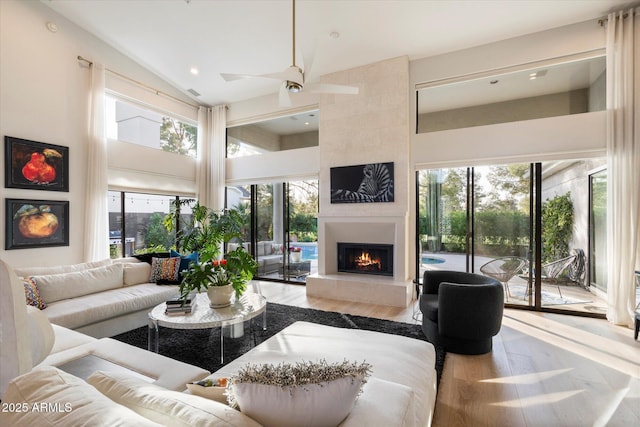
(294, 32)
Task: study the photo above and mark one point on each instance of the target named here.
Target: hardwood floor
(545, 369)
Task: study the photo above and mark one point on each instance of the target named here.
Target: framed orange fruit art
(36, 223)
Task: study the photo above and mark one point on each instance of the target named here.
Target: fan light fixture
(293, 78)
(293, 87)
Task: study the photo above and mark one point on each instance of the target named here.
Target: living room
(44, 98)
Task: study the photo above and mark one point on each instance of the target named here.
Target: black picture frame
(367, 183)
(34, 165)
(36, 223)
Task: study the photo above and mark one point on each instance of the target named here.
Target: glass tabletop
(202, 316)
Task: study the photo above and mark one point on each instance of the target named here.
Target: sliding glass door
(282, 227)
(478, 220)
(504, 220)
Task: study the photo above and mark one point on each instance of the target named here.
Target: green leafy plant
(557, 227)
(207, 232)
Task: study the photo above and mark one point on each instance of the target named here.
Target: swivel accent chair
(461, 311)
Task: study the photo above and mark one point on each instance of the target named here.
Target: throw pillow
(32, 293)
(74, 402)
(307, 393)
(167, 407)
(185, 260)
(164, 269)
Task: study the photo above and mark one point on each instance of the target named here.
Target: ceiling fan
(293, 77)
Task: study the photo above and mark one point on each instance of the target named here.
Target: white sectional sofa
(39, 362)
(100, 299)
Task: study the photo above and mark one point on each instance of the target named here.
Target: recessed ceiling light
(194, 71)
(51, 26)
(306, 123)
(334, 34)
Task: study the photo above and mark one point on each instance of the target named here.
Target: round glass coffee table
(249, 307)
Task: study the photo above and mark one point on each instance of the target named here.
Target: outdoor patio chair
(551, 272)
(503, 269)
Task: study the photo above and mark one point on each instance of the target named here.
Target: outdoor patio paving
(574, 297)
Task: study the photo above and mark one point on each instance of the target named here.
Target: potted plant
(208, 232)
(295, 253)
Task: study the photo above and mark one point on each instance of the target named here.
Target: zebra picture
(368, 183)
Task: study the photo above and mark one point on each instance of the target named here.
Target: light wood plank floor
(545, 369)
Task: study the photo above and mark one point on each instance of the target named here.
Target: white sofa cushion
(385, 353)
(58, 269)
(68, 401)
(56, 287)
(136, 273)
(89, 309)
(169, 408)
(41, 335)
(383, 403)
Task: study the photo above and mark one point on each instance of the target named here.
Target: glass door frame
(534, 258)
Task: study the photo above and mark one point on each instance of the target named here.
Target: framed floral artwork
(35, 165)
(36, 223)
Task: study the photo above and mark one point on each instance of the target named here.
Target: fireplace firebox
(365, 258)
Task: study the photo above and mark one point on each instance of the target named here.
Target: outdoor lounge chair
(503, 269)
(552, 271)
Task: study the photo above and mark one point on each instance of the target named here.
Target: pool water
(427, 259)
(309, 251)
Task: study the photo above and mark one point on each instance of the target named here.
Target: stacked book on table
(178, 307)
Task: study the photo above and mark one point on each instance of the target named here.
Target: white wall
(43, 97)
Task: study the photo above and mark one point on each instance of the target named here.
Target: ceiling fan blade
(232, 77)
(284, 99)
(332, 88)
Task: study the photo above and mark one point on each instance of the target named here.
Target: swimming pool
(428, 259)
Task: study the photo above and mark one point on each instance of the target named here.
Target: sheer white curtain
(212, 125)
(623, 162)
(96, 219)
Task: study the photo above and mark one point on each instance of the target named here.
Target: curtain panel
(623, 163)
(212, 128)
(96, 223)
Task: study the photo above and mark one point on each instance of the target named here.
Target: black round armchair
(461, 311)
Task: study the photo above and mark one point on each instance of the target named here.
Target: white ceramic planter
(220, 296)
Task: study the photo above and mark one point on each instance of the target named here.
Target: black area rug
(201, 347)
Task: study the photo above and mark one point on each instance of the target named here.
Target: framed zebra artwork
(368, 183)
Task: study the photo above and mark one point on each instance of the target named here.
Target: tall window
(132, 123)
(136, 223)
(285, 133)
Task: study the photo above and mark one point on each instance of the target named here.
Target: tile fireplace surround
(394, 291)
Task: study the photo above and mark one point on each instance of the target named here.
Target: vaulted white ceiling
(169, 37)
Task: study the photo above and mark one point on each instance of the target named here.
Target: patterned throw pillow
(32, 293)
(164, 269)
